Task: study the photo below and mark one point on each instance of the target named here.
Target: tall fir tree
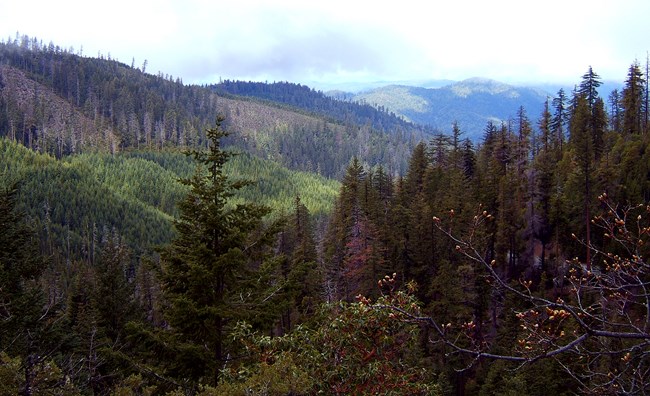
(588, 89)
(560, 118)
(346, 215)
(299, 267)
(632, 101)
(544, 168)
(214, 272)
(584, 151)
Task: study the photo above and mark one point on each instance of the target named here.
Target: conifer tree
(560, 118)
(28, 326)
(584, 151)
(544, 169)
(355, 252)
(214, 273)
(646, 94)
(417, 167)
(588, 89)
(299, 266)
(346, 214)
(615, 110)
(113, 293)
(632, 101)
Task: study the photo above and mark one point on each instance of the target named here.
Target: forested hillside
(61, 103)
(79, 200)
(144, 252)
(303, 97)
(532, 246)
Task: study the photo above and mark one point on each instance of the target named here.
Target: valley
(242, 237)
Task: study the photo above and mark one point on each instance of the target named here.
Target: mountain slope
(305, 98)
(472, 103)
(69, 104)
(81, 198)
(49, 123)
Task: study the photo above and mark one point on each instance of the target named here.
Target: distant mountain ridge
(336, 107)
(471, 103)
(61, 103)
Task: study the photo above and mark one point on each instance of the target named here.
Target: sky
(330, 43)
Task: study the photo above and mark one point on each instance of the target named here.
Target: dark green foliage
(308, 99)
(632, 101)
(113, 292)
(104, 314)
(536, 191)
(217, 270)
(560, 118)
(299, 267)
(81, 104)
(29, 326)
(78, 200)
(20, 261)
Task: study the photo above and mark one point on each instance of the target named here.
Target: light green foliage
(10, 374)
(49, 380)
(133, 385)
(281, 376)
(277, 186)
(81, 197)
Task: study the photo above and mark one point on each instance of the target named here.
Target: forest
(197, 245)
(60, 102)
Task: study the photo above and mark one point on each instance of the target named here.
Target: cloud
(291, 44)
(284, 55)
(200, 40)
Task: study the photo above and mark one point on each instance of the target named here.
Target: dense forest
(78, 200)
(59, 102)
(303, 97)
(135, 262)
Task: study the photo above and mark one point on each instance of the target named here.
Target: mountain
(357, 87)
(335, 107)
(61, 103)
(472, 103)
(79, 199)
(96, 144)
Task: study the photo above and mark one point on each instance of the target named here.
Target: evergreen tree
(29, 329)
(113, 295)
(343, 216)
(299, 267)
(584, 152)
(560, 118)
(615, 110)
(214, 273)
(544, 169)
(353, 251)
(417, 167)
(646, 94)
(588, 89)
(632, 101)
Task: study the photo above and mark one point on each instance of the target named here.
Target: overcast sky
(325, 42)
